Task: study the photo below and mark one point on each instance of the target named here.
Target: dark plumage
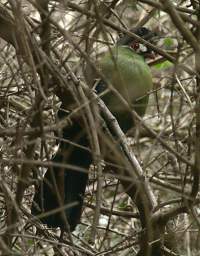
(70, 183)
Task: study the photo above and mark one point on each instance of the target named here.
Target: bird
(123, 67)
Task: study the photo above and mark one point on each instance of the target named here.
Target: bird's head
(137, 46)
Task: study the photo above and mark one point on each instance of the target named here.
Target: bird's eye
(135, 46)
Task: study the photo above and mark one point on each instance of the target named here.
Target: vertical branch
(23, 46)
(196, 168)
(91, 113)
(24, 171)
(45, 34)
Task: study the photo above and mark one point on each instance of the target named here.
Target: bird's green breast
(128, 73)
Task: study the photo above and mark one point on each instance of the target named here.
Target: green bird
(126, 73)
(125, 69)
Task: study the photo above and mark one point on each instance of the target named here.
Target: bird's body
(126, 74)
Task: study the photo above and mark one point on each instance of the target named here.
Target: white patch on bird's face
(142, 48)
(138, 47)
